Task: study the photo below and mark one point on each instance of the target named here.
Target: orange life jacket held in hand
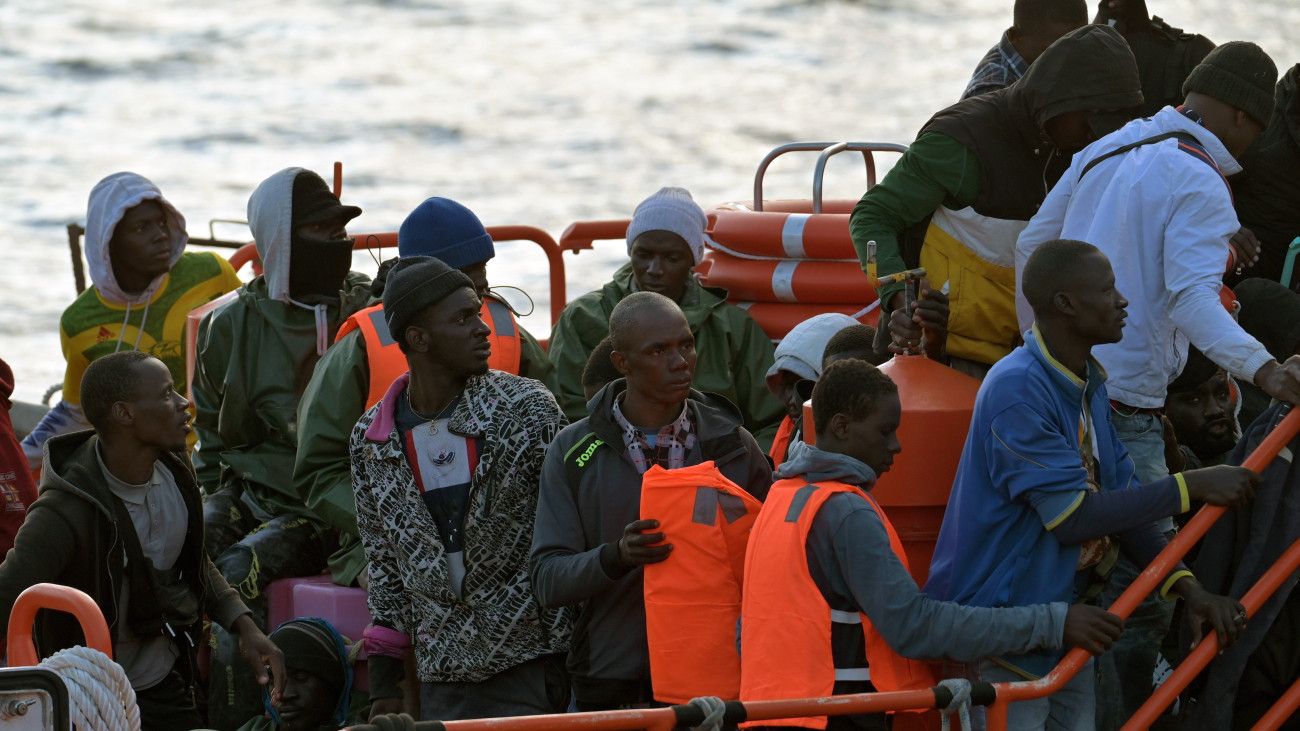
(786, 622)
(387, 361)
(692, 599)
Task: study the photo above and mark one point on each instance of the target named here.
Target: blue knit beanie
(445, 229)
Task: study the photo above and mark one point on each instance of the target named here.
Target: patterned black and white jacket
(497, 622)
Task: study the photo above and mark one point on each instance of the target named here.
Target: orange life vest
(786, 626)
(781, 442)
(692, 599)
(387, 361)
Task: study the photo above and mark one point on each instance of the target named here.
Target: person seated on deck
(1153, 197)
(599, 371)
(1045, 494)
(1165, 55)
(255, 357)
(848, 565)
(977, 172)
(119, 517)
(665, 241)
(143, 284)
(365, 360)
(317, 683)
(1200, 415)
(1036, 24)
(855, 341)
(445, 471)
(591, 540)
(791, 377)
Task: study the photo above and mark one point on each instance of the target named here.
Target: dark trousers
(250, 555)
(168, 706)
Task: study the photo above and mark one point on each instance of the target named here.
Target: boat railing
(667, 718)
(826, 150)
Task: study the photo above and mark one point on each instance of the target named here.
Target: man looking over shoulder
(445, 468)
(120, 517)
(1045, 493)
(591, 541)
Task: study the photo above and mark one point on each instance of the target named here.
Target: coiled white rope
(100, 696)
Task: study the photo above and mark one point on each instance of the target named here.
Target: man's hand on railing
(1091, 628)
(1281, 380)
(1223, 485)
(1225, 615)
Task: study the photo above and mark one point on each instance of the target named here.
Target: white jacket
(1164, 217)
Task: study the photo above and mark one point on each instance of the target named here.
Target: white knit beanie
(672, 210)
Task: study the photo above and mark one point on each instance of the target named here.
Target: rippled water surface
(540, 112)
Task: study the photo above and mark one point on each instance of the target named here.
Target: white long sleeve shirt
(1164, 217)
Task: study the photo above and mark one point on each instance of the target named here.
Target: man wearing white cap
(798, 366)
(665, 241)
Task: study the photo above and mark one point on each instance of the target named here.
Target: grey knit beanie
(414, 283)
(672, 210)
(1237, 73)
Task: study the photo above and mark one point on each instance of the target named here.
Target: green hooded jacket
(733, 352)
(255, 356)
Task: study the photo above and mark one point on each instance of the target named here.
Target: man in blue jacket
(1045, 495)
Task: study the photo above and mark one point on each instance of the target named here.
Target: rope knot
(960, 703)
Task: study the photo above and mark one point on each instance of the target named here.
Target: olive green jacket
(734, 353)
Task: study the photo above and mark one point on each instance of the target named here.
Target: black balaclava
(317, 266)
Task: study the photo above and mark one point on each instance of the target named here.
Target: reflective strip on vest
(852, 674)
(386, 360)
(842, 617)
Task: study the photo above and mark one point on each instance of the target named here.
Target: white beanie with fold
(673, 210)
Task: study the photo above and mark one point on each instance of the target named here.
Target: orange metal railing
(22, 651)
(665, 719)
(554, 256)
(1195, 529)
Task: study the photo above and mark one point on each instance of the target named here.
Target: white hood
(800, 351)
(109, 200)
(270, 216)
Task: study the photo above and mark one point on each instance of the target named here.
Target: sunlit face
(1099, 312)
(477, 274)
(141, 249)
(453, 331)
(158, 412)
(1203, 417)
(662, 263)
(659, 359)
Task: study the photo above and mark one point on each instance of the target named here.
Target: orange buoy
(937, 406)
(789, 280)
(782, 235)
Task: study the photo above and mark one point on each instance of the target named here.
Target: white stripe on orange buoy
(783, 281)
(792, 235)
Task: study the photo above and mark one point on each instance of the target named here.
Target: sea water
(541, 112)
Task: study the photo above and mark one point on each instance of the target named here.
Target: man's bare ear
(1063, 304)
(122, 413)
(620, 362)
(417, 339)
(838, 426)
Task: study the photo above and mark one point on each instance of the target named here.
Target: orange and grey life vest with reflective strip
(387, 361)
(692, 599)
(786, 623)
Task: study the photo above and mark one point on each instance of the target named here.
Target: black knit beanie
(414, 283)
(1237, 73)
(1197, 370)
